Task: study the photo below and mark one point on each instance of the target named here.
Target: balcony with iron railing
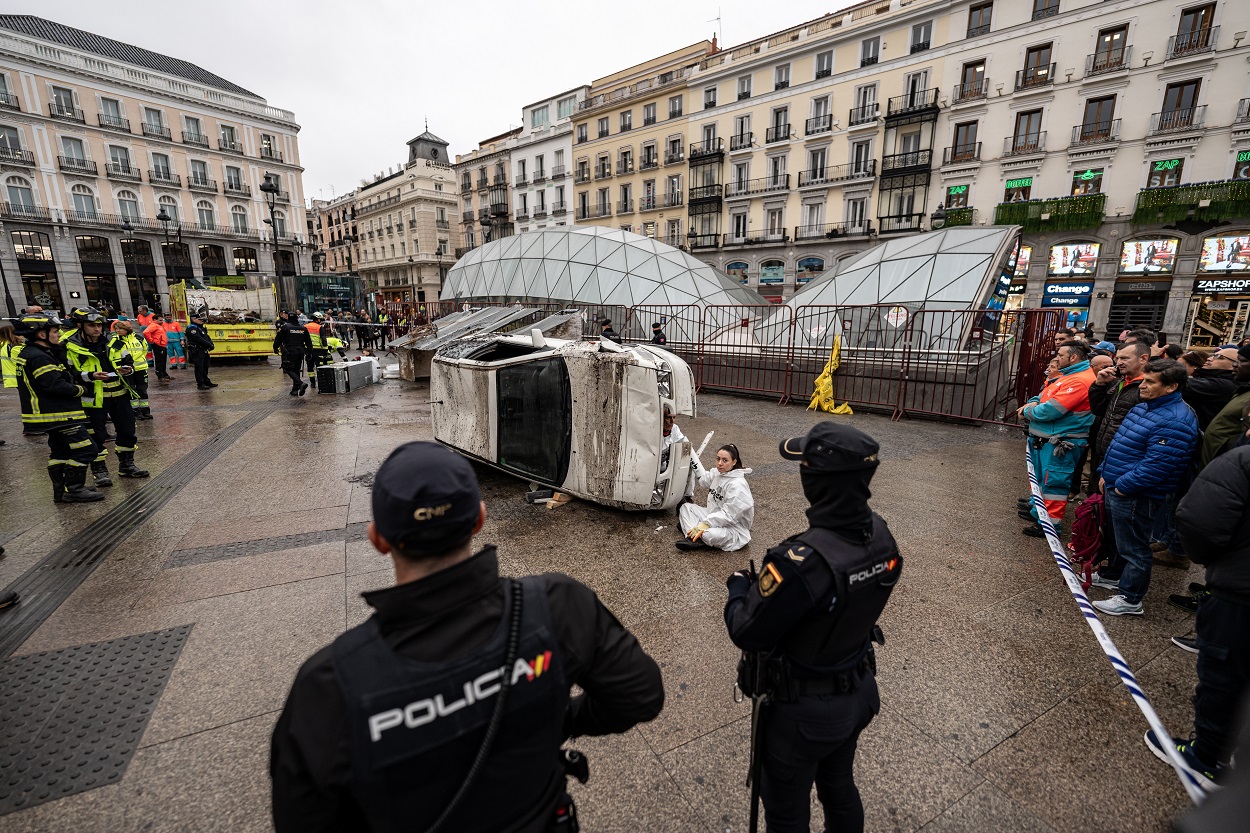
(705, 193)
(868, 60)
(656, 202)
(1173, 121)
(625, 207)
(1198, 42)
(624, 166)
(483, 215)
(270, 154)
(818, 124)
(741, 141)
(706, 150)
(919, 46)
(156, 131)
(762, 185)
(522, 214)
(28, 213)
(1095, 133)
(830, 231)
(1035, 78)
(645, 87)
(73, 164)
(762, 238)
(955, 154)
(466, 216)
(466, 186)
(1243, 111)
(201, 183)
(1025, 144)
(559, 208)
(1084, 211)
(972, 91)
(499, 179)
(899, 223)
(17, 156)
(111, 122)
(703, 241)
(830, 174)
(539, 212)
(1203, 202)
(444, 225)
(540, 176)
(648, 163)
(603, 172)
(601, 210)
(581, 176)
(777, 133)
(499, 209)
(906, 162)
(1046, 11)
(164, 176)
(56, 111)
(675, 157)
(864, 114)
(237, 189)
(1113, 60)
(227, 146)
(8, 101)
(121, 170)
(977, 31)
(522, 180)
(558, 172)
(482, 183)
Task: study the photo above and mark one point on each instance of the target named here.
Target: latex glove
(697, 532)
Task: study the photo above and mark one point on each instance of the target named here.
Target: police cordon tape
(1195, 790)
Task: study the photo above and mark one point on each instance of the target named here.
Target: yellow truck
(239, 321)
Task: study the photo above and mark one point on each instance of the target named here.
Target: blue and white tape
(1195, 790)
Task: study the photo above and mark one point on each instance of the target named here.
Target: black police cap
(425, 496)
(832, 447)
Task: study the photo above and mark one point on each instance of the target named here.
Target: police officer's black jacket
(819, 593)
(292, 336)
(441, 619)
(1213, 520)
(197, 339)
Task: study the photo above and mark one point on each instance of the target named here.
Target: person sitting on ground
(726, 522)
(1150, 454)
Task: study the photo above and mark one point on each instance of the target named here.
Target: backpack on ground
(1086, 542)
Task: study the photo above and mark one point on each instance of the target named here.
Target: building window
(921, 36)
(979, 19)
(1097, 121)
(648, 113)
(279, 224)
(1018, 190)
(120, 158)
(238, 219)
(738, 226)
(781, 77)
(84, 201)
(603, 127)
(965, 146)
(564, 107)
(234, 177)
(1028, 135)
(971, 81)
(170, 206)
(709, 97)
(1194, 32)
(674, 107)
(869, 51)
(1179, 105)
(744, 87)
(205, 215)
(1087, 182)
(627, 121)
(538, 118)
(198, 172)
(861, 157)
(824, 64)
(1036, 67)
(1110, 52)
(229, 138)
(1045, 8)
(956, 196)
(160, 166)
(582, 133)
(128, 205)
(63, 101)
(191, 126)
(1164, 173)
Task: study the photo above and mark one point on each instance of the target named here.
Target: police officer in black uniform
(198, 345)
(452, 701)
(294, 343)
(807, 622)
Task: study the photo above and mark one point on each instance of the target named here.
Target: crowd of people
(1159, 437)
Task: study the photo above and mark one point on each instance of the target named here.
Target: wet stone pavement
(999, 711)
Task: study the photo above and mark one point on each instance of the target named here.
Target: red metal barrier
(734, 358)
(870, 372)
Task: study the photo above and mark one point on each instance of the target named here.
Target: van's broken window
(535, 419)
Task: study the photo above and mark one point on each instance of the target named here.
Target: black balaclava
(839, 501)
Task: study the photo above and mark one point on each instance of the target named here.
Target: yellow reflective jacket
(8, 363)
(84, 361)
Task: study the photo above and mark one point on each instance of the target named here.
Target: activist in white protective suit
(726, 522)
(673, 434)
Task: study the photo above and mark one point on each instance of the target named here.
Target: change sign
(1067, 294)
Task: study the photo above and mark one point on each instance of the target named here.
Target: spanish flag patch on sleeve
(770, 580)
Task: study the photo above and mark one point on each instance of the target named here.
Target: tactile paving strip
(260, 546)
(72, 719)
(50, 582)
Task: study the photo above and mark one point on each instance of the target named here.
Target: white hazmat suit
(730, 509)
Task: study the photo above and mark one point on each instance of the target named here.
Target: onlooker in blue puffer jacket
(1147, 459)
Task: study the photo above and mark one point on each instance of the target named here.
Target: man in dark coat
(1214, 522)
(1229, 423)
(1113, 395)
(1212, 385)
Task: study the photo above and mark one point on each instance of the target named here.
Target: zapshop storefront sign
(1222, 286)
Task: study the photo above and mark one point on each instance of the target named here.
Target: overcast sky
(363, 75)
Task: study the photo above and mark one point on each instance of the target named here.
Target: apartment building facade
(540, 156)
(484, 181)
(405, 222)
(125, 170)
(334, 236)
(1085, 122)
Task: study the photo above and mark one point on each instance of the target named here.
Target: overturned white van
(582, 417)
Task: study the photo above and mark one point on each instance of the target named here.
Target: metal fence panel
(734, 357)
(871, 362)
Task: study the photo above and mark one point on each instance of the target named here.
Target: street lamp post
(164, 219)
(270, 190)
(937, 219)
(129, 229)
